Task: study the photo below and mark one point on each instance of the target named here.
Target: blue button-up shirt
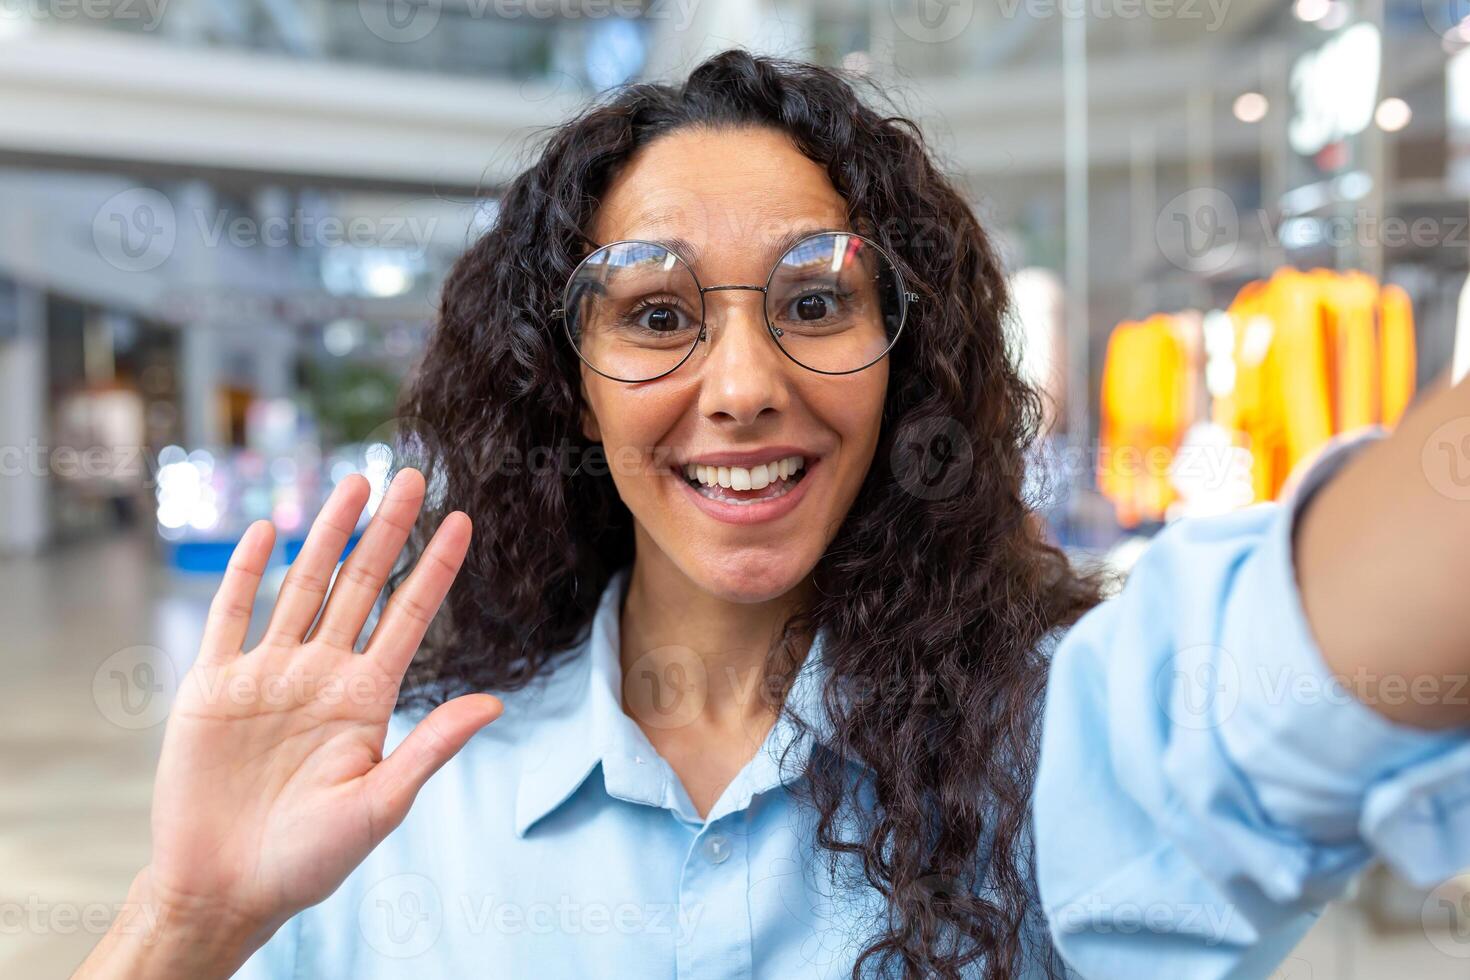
(1205, 786)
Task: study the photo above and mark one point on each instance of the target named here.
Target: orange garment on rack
(1146, 389)
(1316, 354)
(1281, 404)
(1250, 408)
(1300, 366)
(1350, 311)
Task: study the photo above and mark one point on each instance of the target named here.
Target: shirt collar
(580, 725)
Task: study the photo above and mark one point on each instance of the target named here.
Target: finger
(393, 783)
(365, 571)
(229, 611)
(414, 604)
(306, 583)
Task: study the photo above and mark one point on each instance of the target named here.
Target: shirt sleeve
(1205, 783)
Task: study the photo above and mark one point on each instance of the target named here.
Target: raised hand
(272, 785)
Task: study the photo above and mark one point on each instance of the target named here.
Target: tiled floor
(74, 819)
(78, 744)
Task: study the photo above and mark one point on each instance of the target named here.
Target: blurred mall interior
(223, 224)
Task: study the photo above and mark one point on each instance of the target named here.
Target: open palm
(272, 784)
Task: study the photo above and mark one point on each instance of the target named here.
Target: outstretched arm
(1383, 562)
(1266, 707)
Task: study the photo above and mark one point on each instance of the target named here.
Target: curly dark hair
(942, 600)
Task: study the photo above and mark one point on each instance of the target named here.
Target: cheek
(854, 410)
(633, 421)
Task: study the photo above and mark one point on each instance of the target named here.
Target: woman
(726, 399)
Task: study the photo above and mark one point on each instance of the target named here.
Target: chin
(753, 576)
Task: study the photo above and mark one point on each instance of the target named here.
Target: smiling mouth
(742, 485)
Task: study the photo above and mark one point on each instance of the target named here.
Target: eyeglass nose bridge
(704, 326)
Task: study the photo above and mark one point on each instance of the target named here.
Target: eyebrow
(690, 253)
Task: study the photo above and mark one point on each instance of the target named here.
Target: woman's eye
(662, 318)
(814, 306)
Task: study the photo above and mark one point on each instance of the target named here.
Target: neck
(718, 648)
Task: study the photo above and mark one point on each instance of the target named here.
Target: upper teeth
(741, 478)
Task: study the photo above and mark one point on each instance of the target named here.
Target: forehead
(727, 193)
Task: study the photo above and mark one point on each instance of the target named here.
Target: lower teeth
(778, 488)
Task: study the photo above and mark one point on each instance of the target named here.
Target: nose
(743, 375)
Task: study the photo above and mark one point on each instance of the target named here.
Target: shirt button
(716, 848)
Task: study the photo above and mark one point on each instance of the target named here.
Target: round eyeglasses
(835, 303)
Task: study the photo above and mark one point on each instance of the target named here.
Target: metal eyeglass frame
(905, 298)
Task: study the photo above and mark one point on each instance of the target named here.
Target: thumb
(393, 783)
